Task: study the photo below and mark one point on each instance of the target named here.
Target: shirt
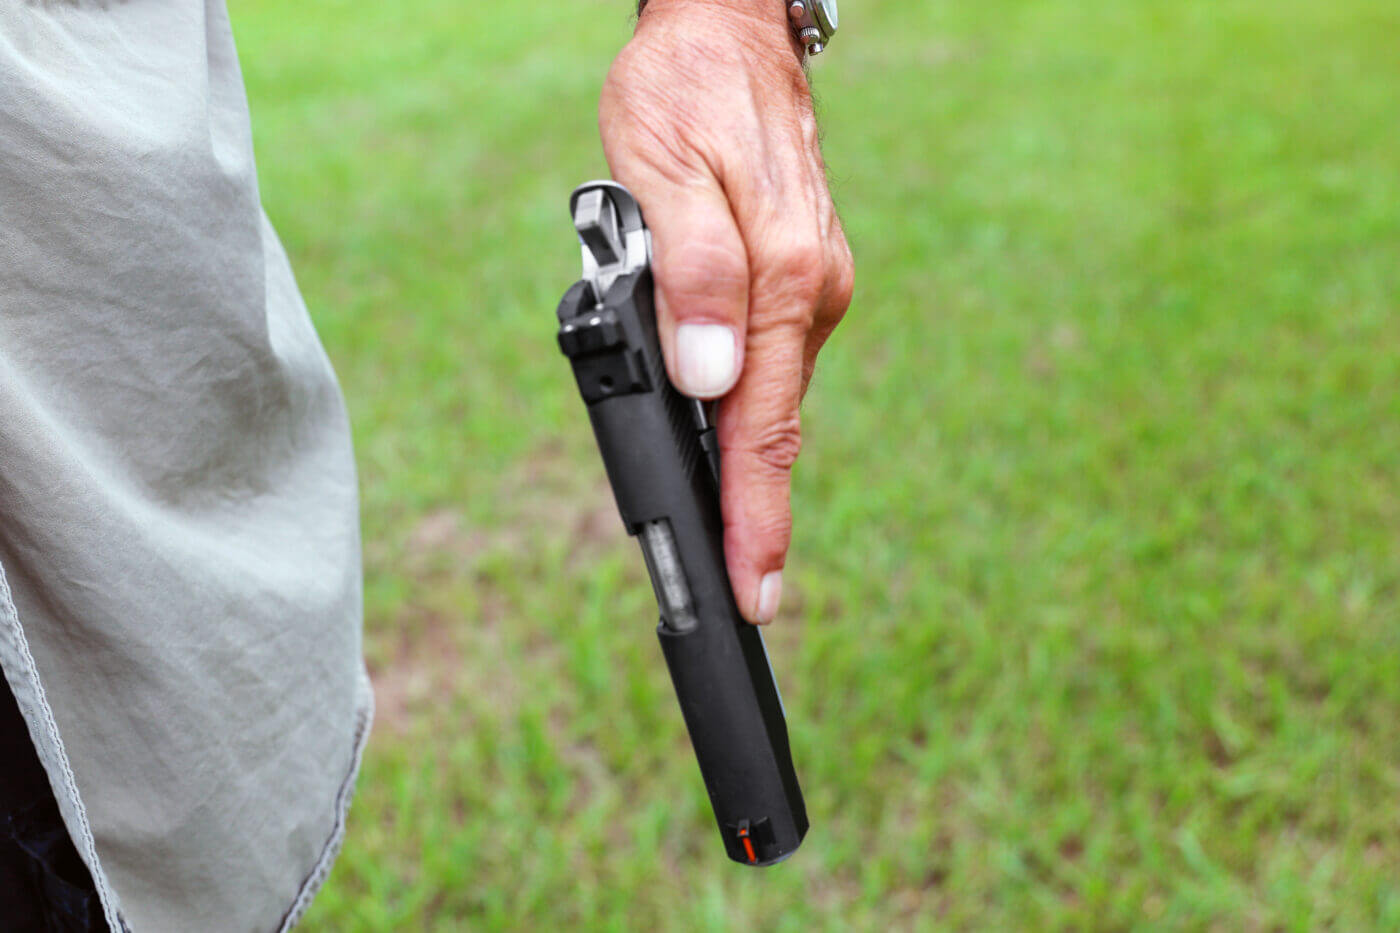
(180, 601)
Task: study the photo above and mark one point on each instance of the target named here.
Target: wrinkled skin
(707, 117)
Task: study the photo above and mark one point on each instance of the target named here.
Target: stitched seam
(321, 870)
(57, 756)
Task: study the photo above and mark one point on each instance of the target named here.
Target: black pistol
(662, 459)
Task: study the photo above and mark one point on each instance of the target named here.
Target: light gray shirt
(179, 552)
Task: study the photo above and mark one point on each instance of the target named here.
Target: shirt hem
(313, 882)
(22, 675)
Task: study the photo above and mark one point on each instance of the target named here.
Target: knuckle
(843, 281)
(777, 445)
(802, 266)
(789, 322)
(705, 271)
(795, 277)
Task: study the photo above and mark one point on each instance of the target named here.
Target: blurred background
(1092, 615)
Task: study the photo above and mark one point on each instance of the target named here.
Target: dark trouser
(44, 885)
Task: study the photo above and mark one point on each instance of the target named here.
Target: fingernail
(770, 592)
(705, 359)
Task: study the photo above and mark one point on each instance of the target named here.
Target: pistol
(661, 455)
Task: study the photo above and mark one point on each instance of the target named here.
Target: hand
(707, 117)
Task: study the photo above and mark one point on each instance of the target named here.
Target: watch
(815, 22)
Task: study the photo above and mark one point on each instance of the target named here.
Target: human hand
(707, 117)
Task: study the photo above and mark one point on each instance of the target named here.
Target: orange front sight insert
(748, 842)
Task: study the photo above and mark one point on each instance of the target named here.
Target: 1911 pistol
(662, 459)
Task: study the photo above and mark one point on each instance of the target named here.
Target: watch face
(825, 13)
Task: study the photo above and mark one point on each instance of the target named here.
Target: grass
(1093, 610)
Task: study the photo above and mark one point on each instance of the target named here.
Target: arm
(707, 117)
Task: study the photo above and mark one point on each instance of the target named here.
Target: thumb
(701, 272)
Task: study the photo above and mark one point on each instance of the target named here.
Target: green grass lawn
(1093, 608)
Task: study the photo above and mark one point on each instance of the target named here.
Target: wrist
(755, 23)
